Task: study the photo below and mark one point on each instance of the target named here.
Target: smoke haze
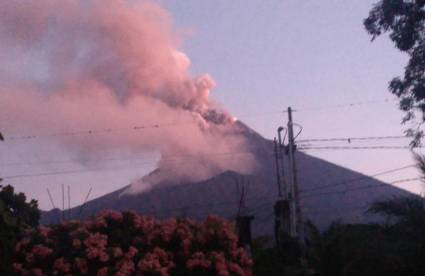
(108, 65)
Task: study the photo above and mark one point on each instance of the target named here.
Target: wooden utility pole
(276, 156)
(295, 209)
(243, 219)
(63, 202)
(281, 206)
(69, 203)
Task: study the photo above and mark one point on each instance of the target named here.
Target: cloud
(82, 65)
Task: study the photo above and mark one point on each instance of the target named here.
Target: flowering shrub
(114, 243)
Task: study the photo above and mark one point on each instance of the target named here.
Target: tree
(404, 20)
(406, 230)
(353, 249)
(125, 243)
(16, 215)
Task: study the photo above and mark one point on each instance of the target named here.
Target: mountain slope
(345, 198)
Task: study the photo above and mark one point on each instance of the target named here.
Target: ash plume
(110, 64)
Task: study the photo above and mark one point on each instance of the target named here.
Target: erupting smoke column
(111, 64)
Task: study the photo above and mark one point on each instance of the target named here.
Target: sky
(264, 56)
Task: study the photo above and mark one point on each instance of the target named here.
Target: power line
(364, 187)
(349, 139)
(110, 130)
(344, 105)
(172, 124)
(173, 159)
(96, 131)
(265, 204)
(358, 178)
(257, 198)
(169, 158)
(355, 147)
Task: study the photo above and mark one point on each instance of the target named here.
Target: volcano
(328, 192)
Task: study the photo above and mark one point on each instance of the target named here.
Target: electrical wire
(110, 130)
(175, 159)
(364, 187)
(93, 131)
(162, 125)
(356, 179)
(357, 147)
(344, 105)
(167, 159)
(349, 139)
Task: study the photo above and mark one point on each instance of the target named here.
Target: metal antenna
(63, 202)
(84, 203)
(276, 157)
(242, 200)
(69, 203)
(51, 201)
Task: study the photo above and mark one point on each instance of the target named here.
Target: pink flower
(157, 261)
(99, 222)
(168, 240)
(22, 244)
(242, 256)
(114, 215)
(81, 265)
(96, 240)
(185, 244)
(221, 269)
(198, 260)
(103, 256)
(125, 267)
(117, 252)
(44, 230)
(102, 272)
(61, 266)
(41, 251)
(18, 267)
(233, 267)
(29, 257)
(96, 245)
(76, 243)
(37, 272)
(132, 251)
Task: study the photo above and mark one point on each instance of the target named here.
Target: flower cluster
(115, 243)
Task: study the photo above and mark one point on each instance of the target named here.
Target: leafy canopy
(404, 20)
(16, 215)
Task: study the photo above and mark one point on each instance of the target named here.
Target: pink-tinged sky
(263, 56)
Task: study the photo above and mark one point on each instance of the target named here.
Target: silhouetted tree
(404, 20)
(353, 249)
(406, 230)
(16, 215)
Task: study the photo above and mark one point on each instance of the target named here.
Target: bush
(114, 243)
(16, 215)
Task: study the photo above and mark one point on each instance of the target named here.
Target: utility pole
(280, 157)
(243, 219)
(295, 209)
(276, 156)
(281, 207)
(69, 203)
(63, 202)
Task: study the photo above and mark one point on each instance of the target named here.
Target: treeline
(127, 244)
(115, 243)
(394, 247)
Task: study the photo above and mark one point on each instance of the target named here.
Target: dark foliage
(396, 247)
(16, 215)
(278, 261)
(404, 20)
